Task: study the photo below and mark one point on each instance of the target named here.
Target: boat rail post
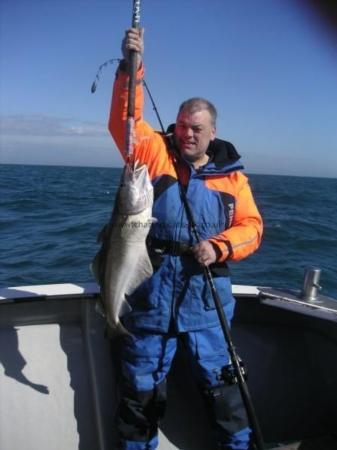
(311, 284)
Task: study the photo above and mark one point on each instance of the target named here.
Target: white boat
(57, 383)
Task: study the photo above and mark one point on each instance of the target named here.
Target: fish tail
(116, 330)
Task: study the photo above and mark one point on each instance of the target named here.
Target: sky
(269, 66)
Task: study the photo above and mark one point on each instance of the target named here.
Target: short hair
(198, 104)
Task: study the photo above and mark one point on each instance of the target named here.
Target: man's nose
(188, 132)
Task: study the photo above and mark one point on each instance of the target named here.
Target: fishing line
(99, 72)
(118, 60)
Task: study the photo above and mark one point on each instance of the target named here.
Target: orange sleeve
(245, 233)
(149, 146)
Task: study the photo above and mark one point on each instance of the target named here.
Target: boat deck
(58, 390)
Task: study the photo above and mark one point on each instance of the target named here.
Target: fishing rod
(132, 69)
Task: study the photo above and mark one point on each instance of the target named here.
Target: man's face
(193, 133)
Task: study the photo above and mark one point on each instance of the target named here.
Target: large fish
(123, 263)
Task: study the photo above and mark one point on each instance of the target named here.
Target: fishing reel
(228, 374)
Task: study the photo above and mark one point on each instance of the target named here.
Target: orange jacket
(243, 235)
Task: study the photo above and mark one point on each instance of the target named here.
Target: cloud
(40, 139)
(40, 125)
(64, 151)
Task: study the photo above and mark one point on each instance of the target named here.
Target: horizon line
(121, 167)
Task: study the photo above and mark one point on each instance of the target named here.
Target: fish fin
(93, 270)
(97, 266)
(103, 233)
(125, 308)
(99, 307)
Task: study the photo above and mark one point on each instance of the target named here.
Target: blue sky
(269, 66)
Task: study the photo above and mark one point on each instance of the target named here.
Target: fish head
(136, 190)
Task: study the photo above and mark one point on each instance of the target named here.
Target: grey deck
(57, 386)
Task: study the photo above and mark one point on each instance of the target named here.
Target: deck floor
(57, 385)
(319, 443)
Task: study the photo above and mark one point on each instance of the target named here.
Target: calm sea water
(50, 217)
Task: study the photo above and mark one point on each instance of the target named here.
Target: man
(175, 303)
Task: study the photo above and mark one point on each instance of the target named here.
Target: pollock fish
(123, 263)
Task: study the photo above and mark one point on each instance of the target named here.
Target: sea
(50, 217)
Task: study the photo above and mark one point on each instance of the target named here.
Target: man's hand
(133, 40)
(204, 253)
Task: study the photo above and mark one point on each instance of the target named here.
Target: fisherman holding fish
(171, 300)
